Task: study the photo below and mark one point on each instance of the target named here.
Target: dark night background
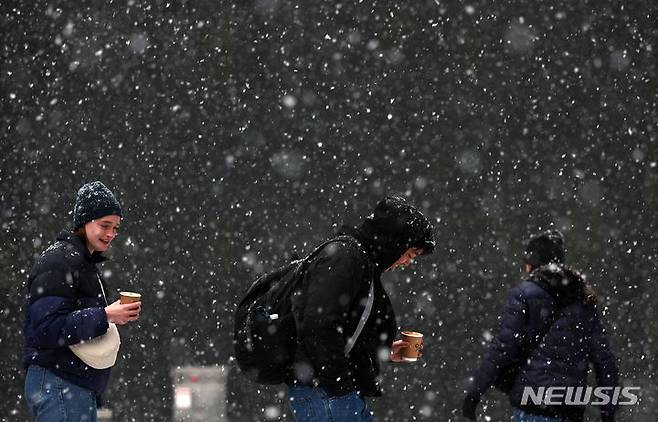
(235, 134)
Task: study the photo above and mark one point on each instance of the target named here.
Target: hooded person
(324, 382)
(549, 334)
(65, 307)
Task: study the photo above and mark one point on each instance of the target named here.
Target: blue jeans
(521, 416)
(316, 405)
(53, 399)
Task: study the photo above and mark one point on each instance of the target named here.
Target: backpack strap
(351, 341)
(362, 322)
(343, 238)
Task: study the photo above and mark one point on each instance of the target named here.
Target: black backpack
(265, 335)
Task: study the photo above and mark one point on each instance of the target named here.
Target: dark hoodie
(336, 286)
(552, 293)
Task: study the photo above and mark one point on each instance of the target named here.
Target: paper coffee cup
(129, 297)
(411, 352)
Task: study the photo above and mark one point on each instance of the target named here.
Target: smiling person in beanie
(548, 335)
(328, 381)
(66, 305)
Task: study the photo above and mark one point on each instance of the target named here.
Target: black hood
(565, 284)
(391, 229)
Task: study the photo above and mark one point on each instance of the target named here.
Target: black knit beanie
(545, 248)
(94, 201)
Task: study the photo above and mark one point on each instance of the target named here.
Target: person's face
(406, 258)
(101, 232)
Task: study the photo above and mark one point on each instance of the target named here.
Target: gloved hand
(469, 407)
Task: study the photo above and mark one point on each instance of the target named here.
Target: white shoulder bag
(100, 352)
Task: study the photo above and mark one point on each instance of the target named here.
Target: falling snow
(238, 135)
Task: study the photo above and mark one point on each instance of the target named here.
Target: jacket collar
(565, 284)
(80, 246)
(382, 258)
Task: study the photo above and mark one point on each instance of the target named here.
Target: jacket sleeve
(506, 347)
(55, 320)
(333, 281)
(604, 362)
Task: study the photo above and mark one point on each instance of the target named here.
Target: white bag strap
(362, 322)
(102, 289)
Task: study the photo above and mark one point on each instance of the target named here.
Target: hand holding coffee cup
(409, 349)
(129, 297)
(414, 347)
(123, 314)
(126, 309)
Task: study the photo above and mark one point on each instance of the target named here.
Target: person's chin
(102, 246)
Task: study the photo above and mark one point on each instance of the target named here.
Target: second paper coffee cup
(129, 297)
(415, 340)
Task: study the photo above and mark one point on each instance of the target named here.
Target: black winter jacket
(336, 286)
(65, 305)
(574, 341)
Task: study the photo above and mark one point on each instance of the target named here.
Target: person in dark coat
(66, 304)
(325, 383)
(549, 331)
